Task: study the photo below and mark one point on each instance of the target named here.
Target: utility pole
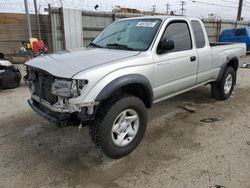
(28, 18)
(182, 7)
(61, 2)
(37, 20)
(154, 9)
(239, 10)
(167, 6)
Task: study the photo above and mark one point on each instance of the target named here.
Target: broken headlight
(68, 88)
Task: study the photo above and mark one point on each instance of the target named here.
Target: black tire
(100, 128)
(217, 88)
(10, 79)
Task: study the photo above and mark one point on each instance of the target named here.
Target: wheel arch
(135, 84)
(230, 62)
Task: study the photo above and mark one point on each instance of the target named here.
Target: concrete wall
(13, 30)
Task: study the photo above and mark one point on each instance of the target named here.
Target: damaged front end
(51, 97)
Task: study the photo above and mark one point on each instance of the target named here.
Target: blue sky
(224, 9)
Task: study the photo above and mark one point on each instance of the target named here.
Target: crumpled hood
(68, 63)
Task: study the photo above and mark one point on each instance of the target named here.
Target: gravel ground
(180, 148)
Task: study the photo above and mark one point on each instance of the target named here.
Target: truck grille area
(42, 85)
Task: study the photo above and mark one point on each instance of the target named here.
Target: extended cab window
(179, 33)
(240, 32)
(199, 34)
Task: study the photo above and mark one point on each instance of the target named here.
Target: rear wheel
(223, 89)
(119, 126)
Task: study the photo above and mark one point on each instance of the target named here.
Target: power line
(213, 4)
(220, 5)
(202, 7)
(230, 1)
(236, 2)
(245, 3)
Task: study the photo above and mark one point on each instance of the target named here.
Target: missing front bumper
(61, 119)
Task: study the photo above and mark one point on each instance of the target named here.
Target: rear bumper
(61, 119)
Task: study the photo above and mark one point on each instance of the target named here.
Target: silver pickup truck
(130, 65)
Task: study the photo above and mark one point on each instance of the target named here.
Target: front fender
(123, 81)
(114, 80)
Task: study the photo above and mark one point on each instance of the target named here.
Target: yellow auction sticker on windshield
(146, 24)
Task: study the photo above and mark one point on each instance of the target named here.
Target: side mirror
(165, 45)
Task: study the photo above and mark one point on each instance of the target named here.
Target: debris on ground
(188, 108)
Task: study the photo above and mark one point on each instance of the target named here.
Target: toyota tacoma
(132, 64)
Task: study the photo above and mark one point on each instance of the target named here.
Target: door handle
(192, 58)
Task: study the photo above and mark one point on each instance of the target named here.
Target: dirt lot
(179, 150)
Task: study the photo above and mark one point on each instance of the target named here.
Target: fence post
(50, 30)
(28, 18)
(37, 20)
(114, 16)
(235, 24)
(62, 28)
(218, 30)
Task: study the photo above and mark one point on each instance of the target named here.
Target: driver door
(176, 69)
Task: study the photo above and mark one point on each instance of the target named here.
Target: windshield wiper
(112, 34)
(95, 45)
(121, 46)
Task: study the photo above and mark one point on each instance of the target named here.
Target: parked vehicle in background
(130, 65)
(236, 35)
(34, 47)
(10, 76)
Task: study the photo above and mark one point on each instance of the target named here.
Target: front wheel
(119, 126)
(223, 89)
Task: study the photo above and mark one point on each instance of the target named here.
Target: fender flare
(225, 64)
(126, 80)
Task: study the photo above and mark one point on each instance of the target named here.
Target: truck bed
(225, 49)
(212, 44)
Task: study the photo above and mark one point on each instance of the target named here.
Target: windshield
(134, 34)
